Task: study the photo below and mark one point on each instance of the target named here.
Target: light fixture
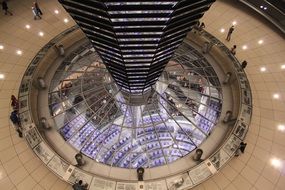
(281, 128)
(2, 76)
(41, 34)
(276, 96)
(260, 42)
(244, 47)
(65, 20)
(262, 69)
(19, 52)
(28, 26)
(263, 7)
(282, 66)
(275, 162)
(222, 30)
(1, 47)
(56, 11)
(234, 22)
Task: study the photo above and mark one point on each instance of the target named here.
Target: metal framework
(136, 39)
(92, 116)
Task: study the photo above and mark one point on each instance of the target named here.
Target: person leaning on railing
(16, 122)
(14, 102)
(14, 115)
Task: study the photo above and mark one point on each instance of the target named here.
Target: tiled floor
(19, 167)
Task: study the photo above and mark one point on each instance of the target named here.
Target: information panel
(179, 182)
(32, 136)
(102, 184)
(58, 166)
(200, 173)
(158, 185)
(126, 186)
(219, 159)
(77, 175)
(240, 129)
(231, 145)
(44, 152)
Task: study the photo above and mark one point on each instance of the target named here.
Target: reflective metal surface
(65, 170)
(136, 39)
(93, 115)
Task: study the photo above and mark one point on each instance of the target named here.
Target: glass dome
(96, 118)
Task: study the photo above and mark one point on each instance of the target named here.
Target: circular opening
(95, 117)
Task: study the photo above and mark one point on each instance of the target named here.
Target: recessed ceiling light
(28, 26)
(262, 69)
(2, 76)
(41, 34)
(281, 127)
(222, 30)
(261, 6)
(65, 20)
(1, 47)
(19, 52)
(56, 11)
(260, 42)
(275, 162)
(244, 47)
(282, 66)
(234, 22)
(264, 8)
(276, 96)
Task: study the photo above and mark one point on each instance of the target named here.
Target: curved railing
(186, 180)
(272, 10)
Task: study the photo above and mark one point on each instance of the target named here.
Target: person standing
(79, 186)
(231, 29)
(14, 102)
(16, 121)
(196, 27)
(36, 13)
(201, 27)
(36, 5)
(233, 50)
(5, 8)
(244, 64)
(240, 149)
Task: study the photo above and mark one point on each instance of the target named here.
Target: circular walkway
(262, 165)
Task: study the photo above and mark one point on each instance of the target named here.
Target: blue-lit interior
(94, 117)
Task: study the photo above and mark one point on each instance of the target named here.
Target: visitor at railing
(14, 103)
(233, 50)
(16, 122)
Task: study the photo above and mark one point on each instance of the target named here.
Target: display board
(199, 173)
(58, 166)
(157, 185)
(126, 186)
(179, 182)
(78, 174)
(102, 184)
(44, 152)
(32, 136)
(219, 159)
